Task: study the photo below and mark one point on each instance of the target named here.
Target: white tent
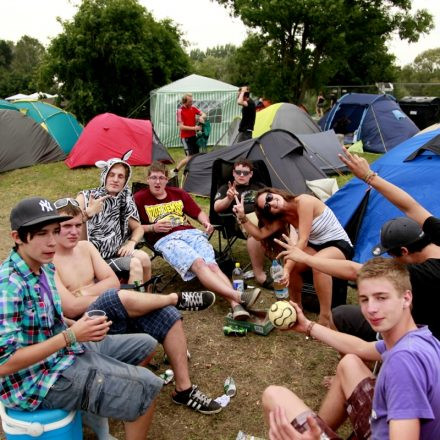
(215, 98)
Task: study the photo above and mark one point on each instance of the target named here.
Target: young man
(187, 117)
(41, 358)
(248, 112)
(112, 221)
(411, 241)
(224, 202)
(163, 212)
(403, 403)
(86, 282)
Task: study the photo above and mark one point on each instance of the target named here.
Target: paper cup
(92, 314)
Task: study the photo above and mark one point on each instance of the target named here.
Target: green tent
(61, 125)
(215, 98)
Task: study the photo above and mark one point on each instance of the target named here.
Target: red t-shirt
(174, 208)
(187, 116)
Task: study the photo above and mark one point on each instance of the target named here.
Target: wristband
(243, 220)
(309, 329)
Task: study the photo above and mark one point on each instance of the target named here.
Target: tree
(19, 64)
(302, 44)
(111, 55)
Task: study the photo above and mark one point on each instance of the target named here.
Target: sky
(204, 22)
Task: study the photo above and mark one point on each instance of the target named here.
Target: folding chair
(225, 224)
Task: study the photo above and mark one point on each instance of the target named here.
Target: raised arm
(397, 196)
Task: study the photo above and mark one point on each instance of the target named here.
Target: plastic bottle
(276, 272)
(237, 278)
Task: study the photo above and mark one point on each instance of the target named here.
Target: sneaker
(195, 301)
(249, 297)
(239, 313)
(196, 400)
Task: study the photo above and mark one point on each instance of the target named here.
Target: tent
(108, 135)
(376, 120)
(24, 143)
(61, 125)
(5, 105)
(215, 98)
(414, 166)
(285, 116)
(284, 154)
(323, 149)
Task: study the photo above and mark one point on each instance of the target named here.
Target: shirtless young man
(85, 282)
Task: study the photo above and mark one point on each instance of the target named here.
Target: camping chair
(225, 224)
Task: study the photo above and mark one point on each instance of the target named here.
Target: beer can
(229, 330)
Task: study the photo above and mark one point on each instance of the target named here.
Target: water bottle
(276, 272)
(237, 278)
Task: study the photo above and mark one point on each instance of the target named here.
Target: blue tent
(414, 166)
(376, 120)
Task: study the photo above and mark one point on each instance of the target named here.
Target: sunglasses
(242, 173)
(267, 200)
(61, 203)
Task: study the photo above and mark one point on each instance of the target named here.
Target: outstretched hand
(280, 428)
(292, 252)
(359, 166)
(238, 208)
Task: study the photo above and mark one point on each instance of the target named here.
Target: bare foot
(324, 320)
(327, 381)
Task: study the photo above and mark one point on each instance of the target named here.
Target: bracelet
(243, 220)
(152, 228)
(69, 337)
(309, 329)
(134, 241)
(66, 338)
(370, 178)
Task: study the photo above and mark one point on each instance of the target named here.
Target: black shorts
(190, 145)
(345, 247)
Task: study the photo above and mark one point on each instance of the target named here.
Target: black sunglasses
(61, 203)
(267, 200)
(242, 173)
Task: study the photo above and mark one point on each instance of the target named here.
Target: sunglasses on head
(61, 203)
(242, 173)
(267, 200)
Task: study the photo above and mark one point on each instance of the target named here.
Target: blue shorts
(181, 248)
(105, 381)
(156, 323)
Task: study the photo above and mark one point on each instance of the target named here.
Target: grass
(282, 358)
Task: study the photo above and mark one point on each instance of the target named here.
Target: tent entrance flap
(433, 145)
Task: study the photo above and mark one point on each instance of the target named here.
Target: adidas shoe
(249, 297)
(193, 398)
(195, 301)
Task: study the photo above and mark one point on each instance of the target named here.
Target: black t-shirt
(425, 281)
(249, 192)
(247, 117)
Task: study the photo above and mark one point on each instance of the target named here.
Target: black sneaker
(194, 301)
(249, 297)
(196, 400)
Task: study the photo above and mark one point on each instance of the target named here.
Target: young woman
(319, 232)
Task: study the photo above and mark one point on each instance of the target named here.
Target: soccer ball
(282, 315)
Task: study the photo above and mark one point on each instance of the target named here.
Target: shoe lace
(197, 395)
(192, 299)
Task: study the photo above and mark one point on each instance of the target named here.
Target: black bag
(225, 262)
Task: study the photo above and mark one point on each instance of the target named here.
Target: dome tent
(23, 142)
(215, 98)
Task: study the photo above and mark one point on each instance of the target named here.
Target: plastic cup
(92, 314)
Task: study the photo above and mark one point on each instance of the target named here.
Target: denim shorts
(105, 381)
(156, 323)
(181, 248)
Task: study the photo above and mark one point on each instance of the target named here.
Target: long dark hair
(266, 218)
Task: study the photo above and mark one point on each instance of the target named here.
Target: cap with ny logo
(33, 211)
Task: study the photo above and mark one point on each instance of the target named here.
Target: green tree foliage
(19, 64)
(214, 62)
(425, 69)
(111, 55)
(298, 45)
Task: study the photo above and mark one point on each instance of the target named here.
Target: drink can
(167, 376)
(229, 387)
(229, 330)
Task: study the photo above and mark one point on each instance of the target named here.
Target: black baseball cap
(34, 211)
(398, 232)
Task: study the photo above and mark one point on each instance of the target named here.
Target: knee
(348, 364)
(126, 298)
(270, 397)
(143, 258)
(135, 265)
(198, 264)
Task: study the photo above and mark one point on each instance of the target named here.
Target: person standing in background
(248, 112)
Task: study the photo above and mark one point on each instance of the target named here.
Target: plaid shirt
(23, 322)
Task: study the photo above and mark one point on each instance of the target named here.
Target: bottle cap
(237, 264)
